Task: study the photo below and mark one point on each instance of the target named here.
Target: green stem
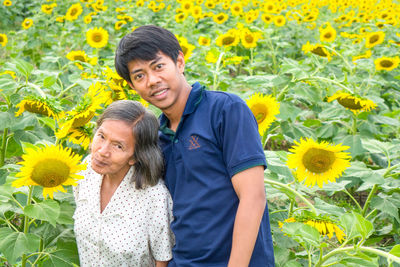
(388, 170)
(341, 56)
(290, 212)
(364, 249)
(309, 258)
(330, 81)
(282, 93)
(355, 201)
(311, 206)
(371, 194)
(251, 62)
(26, 225)
(216, 72)
(3, 147)
(66, 89)
(354, 125)
(37, 88)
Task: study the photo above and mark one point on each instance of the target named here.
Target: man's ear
(180, 62)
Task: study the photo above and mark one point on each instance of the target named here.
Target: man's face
(159, 81)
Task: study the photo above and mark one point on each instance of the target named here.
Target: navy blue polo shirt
(217, 137)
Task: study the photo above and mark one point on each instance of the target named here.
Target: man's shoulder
(222, 98)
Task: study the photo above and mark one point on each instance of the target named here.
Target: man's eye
(159, 66)
(138, 76)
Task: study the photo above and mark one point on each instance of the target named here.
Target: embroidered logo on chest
(193, 142)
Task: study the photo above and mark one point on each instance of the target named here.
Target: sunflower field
(322, 78)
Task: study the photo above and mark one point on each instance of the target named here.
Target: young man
(214, 158)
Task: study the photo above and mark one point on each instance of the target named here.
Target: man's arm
(249, 187)
(161, 263)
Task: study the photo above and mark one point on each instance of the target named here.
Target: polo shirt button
(176, 141)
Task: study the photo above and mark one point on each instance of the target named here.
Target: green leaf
(385, 120)
(354, 142)
(7, 83)
(356, 226)
(6, 119)
(66, 213)
(327, 131)
(375, 146)
(24, 67)
(6, 192)
(387, 204)
(14, 244)
(49, 81)
(395, 250)
(302, 233)
(328, 208)
(65, 255)
(48, 210)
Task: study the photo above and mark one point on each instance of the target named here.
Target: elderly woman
(123, 209)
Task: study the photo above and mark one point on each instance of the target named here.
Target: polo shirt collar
(194, 99)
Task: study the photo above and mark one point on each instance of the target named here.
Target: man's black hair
(144, 43)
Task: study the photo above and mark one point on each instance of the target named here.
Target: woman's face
(112, 149)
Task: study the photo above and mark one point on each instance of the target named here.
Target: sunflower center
(228, 40)
(50, 173)
(328, 35)
(249, 39)
(1, 39)
(220, 17)
(386, 63)
(79, 58)
(74, 11)
(319, 51)
(373, 39)
(97, 37)
(318, 160)
(37, 108)
(82, 120)
(350, 103)
(260, 112)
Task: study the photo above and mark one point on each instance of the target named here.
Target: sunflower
(374, 38)
(264, 108)
(87, 19)
(78, 56)
(249, 39)
(180, 17)
(354, 103)
(73, 12)
(318, 163)
(327, 34)
(220, 18)
(367, 54)
(3, 39)
(187, 48)
(236, 9)
(86, 109)
(97, 37)
(187, 6)
(267, 18)
(9, 72)
(118, 25)
(81, 136)
(48, 9)
(204, 40)
(39, 105)
(279, 21)
(51, 167)
(211, 57)
(324, 225)
(317, 49)
(231, 38)
(197, 12)
(27, 23)
(7, 3)
(387, 63)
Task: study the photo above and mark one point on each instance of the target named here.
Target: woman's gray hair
(149, 162)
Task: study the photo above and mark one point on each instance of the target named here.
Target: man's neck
(175, 112)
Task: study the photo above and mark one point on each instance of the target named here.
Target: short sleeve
(241, 142)
(161, 237)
